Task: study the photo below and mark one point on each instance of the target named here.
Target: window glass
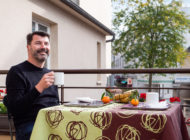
(33, 26)
(42, 28)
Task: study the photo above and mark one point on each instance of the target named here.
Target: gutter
(82, 12)
(111, 40)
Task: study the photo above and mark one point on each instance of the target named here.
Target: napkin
(86, 99)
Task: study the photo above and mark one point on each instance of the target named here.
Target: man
(30, 86)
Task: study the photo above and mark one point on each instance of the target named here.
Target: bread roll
(125, 100)
(116, 97)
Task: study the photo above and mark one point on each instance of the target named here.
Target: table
(109, 123)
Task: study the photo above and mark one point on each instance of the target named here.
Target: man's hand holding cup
(46, 81)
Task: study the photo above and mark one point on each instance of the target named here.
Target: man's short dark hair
(29, 37)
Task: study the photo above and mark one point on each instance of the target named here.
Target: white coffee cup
(59, 78)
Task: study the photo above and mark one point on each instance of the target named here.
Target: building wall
(73, 42)
(101, 10)
(186, 63)
(13, 31)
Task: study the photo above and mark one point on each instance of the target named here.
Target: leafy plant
(134, 95)
(107, 93)
(3, 108)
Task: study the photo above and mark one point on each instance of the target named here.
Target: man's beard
(40, 58)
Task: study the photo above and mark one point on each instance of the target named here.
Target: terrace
(5, 129)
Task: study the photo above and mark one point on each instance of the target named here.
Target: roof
(84, 14)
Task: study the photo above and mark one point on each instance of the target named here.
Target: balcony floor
(6, 137)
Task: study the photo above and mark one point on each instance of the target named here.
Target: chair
(5, 102)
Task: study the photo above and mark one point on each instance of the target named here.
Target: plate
(144, 106)
(85, 104)
(86, 99)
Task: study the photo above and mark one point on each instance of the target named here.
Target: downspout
(111, 40)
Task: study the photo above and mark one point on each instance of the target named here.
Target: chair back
(5, 102)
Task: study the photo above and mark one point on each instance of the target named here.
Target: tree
(150, 34)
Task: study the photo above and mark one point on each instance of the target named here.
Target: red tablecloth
(147, 125)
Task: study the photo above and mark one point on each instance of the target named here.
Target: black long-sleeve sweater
(24, 101)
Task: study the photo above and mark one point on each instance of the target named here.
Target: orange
(135, 102)
(106, 99)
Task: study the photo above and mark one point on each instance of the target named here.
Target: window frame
(36, 28)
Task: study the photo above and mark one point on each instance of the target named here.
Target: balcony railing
(116, 71)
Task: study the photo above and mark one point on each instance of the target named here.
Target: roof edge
(82, 12)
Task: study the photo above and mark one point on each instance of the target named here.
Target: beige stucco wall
(13, 30)
(101, 10)
(186, 63)
(73, 42)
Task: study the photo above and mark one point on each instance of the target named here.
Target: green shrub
(3, 109)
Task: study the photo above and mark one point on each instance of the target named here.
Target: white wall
(73, 42)
(13, 30)
(101, 10)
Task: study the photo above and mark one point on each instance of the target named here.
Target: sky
(186, 3)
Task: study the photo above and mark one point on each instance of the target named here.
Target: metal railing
(121, 71)
(117, 71)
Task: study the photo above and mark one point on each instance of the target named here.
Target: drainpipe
(111, 40)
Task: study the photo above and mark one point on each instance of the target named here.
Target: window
(98, 55)
(98, 62)
(37, 26)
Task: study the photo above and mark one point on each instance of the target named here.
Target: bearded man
(30, 85)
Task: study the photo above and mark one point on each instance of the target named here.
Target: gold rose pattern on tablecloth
(76, 130)
(101, 120)
(126, 132)
(102, 138)
(154, 122)
(54, 137)
(53, 118)
(76, 112)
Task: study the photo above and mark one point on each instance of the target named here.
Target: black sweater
(24, 101)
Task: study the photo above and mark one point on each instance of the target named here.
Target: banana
(124, 97)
